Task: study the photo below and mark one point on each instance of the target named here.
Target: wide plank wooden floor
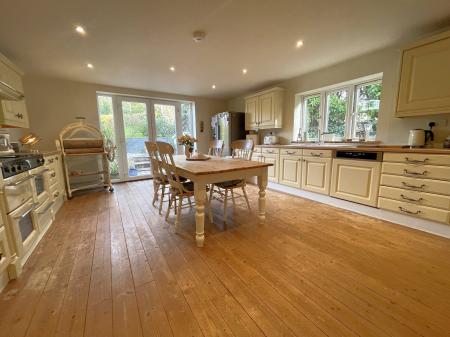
(111, 266)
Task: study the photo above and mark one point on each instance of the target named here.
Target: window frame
(350, 115)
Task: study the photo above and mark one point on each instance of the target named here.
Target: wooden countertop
(361, 147)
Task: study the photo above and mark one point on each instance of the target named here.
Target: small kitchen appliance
(5, 144)
(270, 139)
(420, 137)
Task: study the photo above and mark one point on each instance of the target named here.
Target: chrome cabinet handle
(407, 211)
(421, 187)
(17, 183)
(27, 212)
(410, 199)
(415, 173)
(415, 161)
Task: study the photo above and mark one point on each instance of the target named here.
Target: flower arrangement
(188, 142)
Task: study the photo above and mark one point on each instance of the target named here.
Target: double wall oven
(25, 199)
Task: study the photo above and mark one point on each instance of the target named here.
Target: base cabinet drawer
(415, 171)
(291, 170)
(57, 203)
(419, 198)
(415, 184)
(356, 181)
(417, 158)
(316, 174)
(424, 212)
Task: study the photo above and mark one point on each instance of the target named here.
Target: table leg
(262, 184)
(200, 197)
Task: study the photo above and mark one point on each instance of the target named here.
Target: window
(344, 111)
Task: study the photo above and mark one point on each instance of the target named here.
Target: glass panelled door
(166, 126)
(136, 131)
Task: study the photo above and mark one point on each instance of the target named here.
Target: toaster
(270, 139)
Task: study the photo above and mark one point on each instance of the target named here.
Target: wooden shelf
(87, 174)
(84, 154)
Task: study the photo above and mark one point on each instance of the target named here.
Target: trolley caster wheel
(111, 189)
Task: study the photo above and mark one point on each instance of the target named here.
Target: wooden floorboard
(110, 265)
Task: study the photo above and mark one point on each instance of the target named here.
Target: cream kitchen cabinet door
(316, 174)
(251, 113)
(272, 173)
(264, 110)
(356, 181)
(12, 113)
(290, 170)
(424, 87)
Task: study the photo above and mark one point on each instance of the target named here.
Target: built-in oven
(41, 184)
(17, 190)
(25, 230)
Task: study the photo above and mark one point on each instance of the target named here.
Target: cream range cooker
(25, 204)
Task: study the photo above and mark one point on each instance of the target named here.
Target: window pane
(105, 110)
(312, 117)
(187, 120)
(166, 124)
(367, 107)
(337, 104)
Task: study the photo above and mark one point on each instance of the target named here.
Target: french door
(137, 120)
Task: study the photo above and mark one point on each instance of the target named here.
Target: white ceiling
(133, 43)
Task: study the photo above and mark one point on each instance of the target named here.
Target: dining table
(218, 169)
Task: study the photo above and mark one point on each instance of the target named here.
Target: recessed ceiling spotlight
(198, 36)
(213, 86)
(244, 71)
(172, 68)
(299, 43)
(90, 66)
(80, 30)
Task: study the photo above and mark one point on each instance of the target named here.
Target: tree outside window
(312, 116)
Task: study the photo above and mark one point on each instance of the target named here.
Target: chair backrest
(157, 171)
(166, 152)
(242, 149)
(216, 148)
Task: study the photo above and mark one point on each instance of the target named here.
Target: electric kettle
(416, 137)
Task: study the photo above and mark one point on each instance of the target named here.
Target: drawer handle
(415, 161)
(269, 151)
(316, 154)
(421, 187)
(53, 174)
(408, 211)
(19, 115)
(56, 195)
(415, 173)
(289, 152)
(410, 199)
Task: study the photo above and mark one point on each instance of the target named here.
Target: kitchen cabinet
(5, 257)
(264, 110)
(290, 172)
(416, 185)
(316, 172)
(271, 156)
(424, 88)
(56, 180)
(12, 113)
(355, 180)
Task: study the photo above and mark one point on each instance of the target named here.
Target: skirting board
(404, 220)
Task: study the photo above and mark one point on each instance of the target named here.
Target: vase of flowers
(188, 142)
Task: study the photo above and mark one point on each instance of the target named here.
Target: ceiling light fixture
(299, 43)
(90, 66)
(172, 68)
(244, 71)
(213, 86)
(80, 30)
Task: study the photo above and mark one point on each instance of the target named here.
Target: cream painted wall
(53, 103)
(391, 130)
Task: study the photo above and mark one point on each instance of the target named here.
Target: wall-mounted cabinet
(13, 113)
(264, 110)
(424, 87)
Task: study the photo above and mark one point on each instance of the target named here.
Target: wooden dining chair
(216, 148)
(179, 189)
(160, 180)
(240, 149)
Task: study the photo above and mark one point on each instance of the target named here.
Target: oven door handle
(43, 171)
(27, 212)
(17, 183)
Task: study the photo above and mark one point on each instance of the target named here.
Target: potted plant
(188, 142)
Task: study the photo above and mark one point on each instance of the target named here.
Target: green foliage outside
(312, 116)
(368, 107)
(337, 109)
